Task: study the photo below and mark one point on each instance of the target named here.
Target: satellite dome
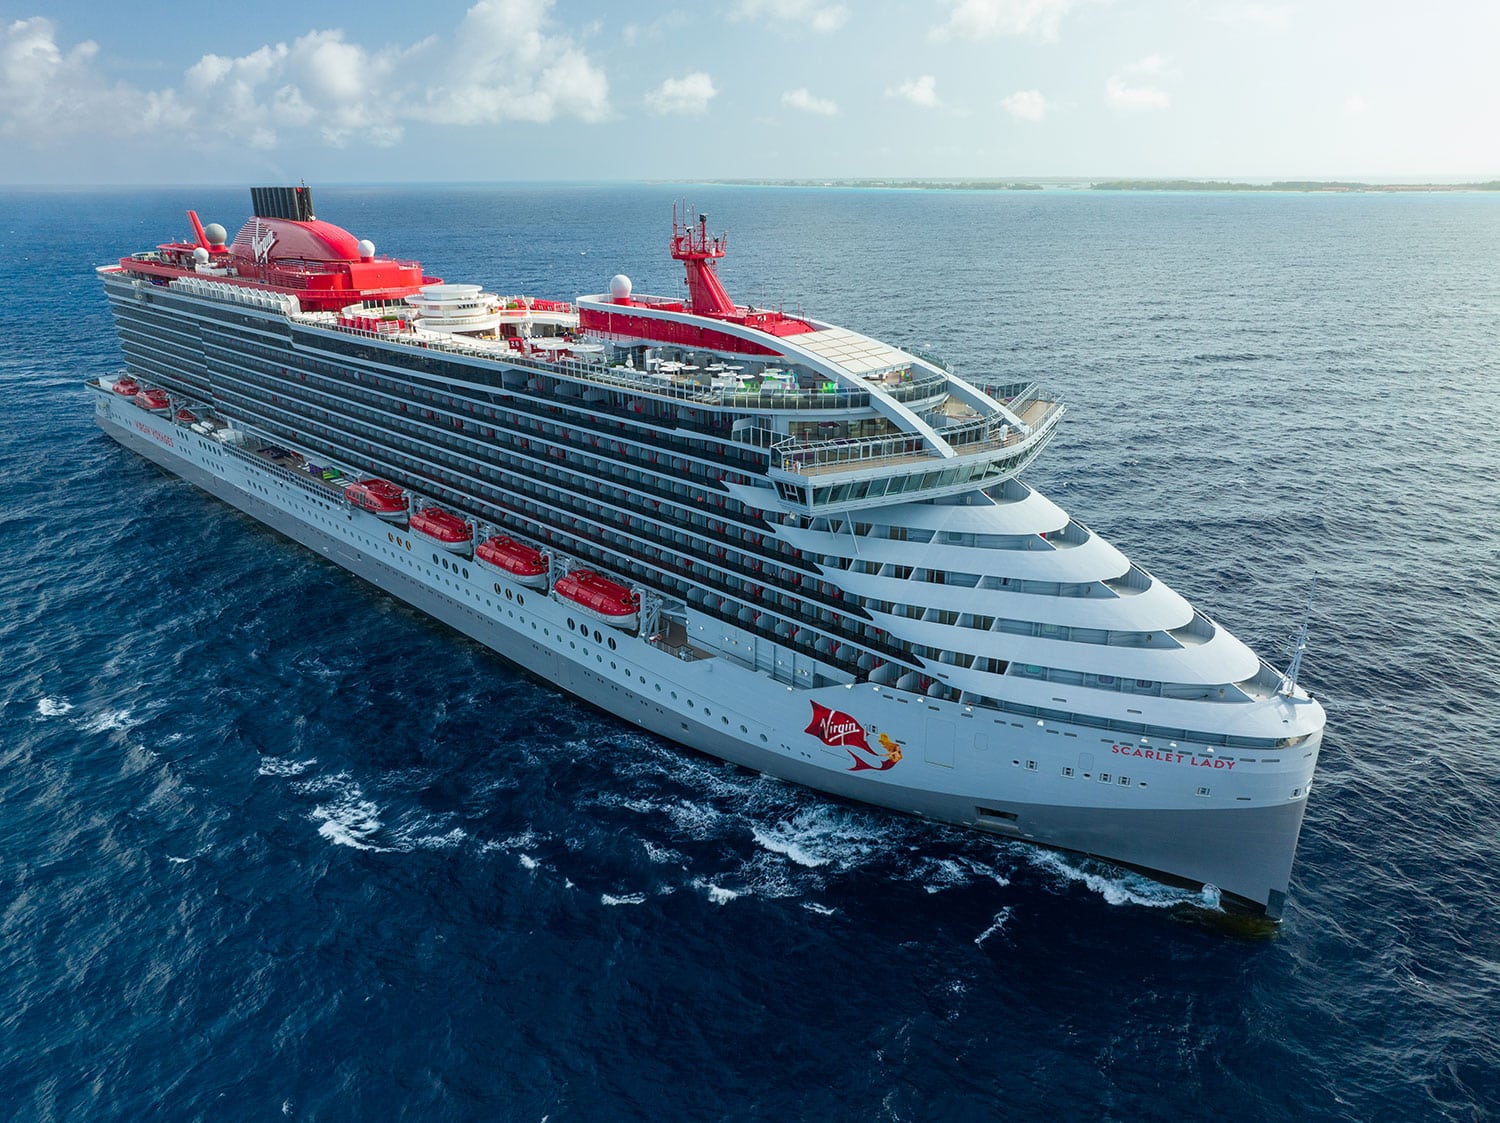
(619, 286)
(200, 256)
(215, 234)
(366, 248)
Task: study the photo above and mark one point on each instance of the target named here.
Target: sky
(381, 91)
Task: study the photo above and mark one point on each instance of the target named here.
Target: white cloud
(1121, 96)
(689, 94)
(1354, 105)
(919, 91)
(504, 62)
(818, 16)
(48, 95)
(987, 19)
(1151, 64)
(1026, 105)
(803, 100)
(1269, 17)
(1123, 92)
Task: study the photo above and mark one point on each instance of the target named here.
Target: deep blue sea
(274, 846)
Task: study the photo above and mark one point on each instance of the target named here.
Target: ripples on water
(279, 847)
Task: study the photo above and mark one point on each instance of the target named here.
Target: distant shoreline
(1292, 185)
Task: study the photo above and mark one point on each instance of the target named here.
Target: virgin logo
(834, 727)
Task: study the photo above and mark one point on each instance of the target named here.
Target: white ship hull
(1187, 813)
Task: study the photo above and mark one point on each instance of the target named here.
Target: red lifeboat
(600, 597)
(127, 387)
(154, 400)
(443, 528)
(186, 417)
(381, 498)
(514, 559)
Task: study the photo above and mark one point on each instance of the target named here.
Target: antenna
(1289, 680)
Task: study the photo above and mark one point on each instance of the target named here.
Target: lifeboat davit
(127, 387)
(599, 597)
(186, 417)
(514, 559)
(154, 400)
(443, 528)
(381, 498)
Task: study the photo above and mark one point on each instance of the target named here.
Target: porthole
(611, 642)
(597, 637)
(744, 729)
(725, 720)
(497, 588)
(674, 695)
(466, 572)
(763, 739)
(434, 559)
(508, 595)
(520, 599)
(571, 625)
(690, 703)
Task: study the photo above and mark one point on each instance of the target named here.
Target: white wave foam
(1123, 888)
(627, 899)
(660, 854)
(940, 874)
(697, 820)
(821, 910)
(281, 766)
(349, 820)
(716, 893)
(446, 841)
(53, 707)
(527, 861)
(999, 924)
(777, 842)
(109, 721)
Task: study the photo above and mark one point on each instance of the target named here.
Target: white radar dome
(366, 248)
(200, 255)
(215, 234)
(619, 286)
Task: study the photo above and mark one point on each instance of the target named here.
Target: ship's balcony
(841, 474)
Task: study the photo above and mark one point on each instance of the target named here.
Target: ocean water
(277, 847)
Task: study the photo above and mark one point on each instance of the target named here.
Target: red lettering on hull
(155, 434)
(1173, 757)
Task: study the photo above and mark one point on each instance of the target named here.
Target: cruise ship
(774, 540)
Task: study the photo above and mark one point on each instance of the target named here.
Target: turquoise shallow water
(278, 847)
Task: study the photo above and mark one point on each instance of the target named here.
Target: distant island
(894, 184)
(1108, 185)
(1282, 185)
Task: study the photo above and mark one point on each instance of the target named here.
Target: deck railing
(782, 398)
